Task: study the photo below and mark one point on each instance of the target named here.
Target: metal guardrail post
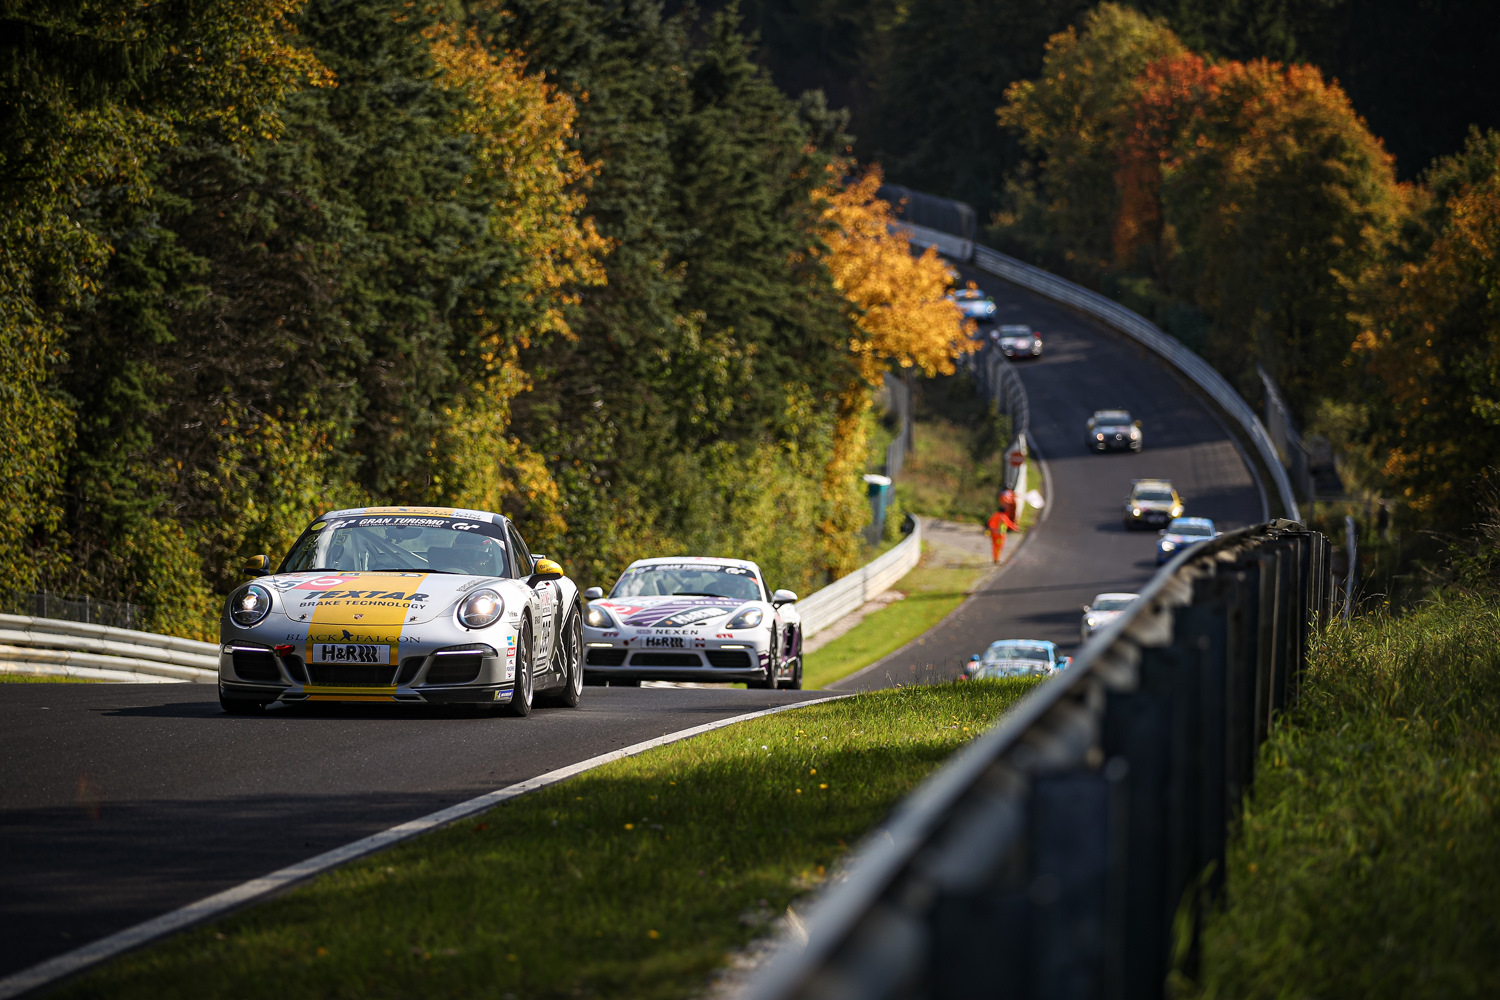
(1052, 857)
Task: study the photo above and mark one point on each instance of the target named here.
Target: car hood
(368, 599)
(1151, 504)
(1114, 429)
(671, 612)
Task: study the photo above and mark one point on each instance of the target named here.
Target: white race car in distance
(690, 618)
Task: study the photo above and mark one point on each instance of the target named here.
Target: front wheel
(569, 659)
(795, 683)
(524, 691)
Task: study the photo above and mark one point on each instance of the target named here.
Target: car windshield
(1161, 496)
(998, 652)
(1015, 331)
(1112, 417)
(397, 543)
(1189, 528)
(1113, 603)
(699, 579)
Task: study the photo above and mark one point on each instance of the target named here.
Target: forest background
(591, 263)
(574, 261)
(1308, 188)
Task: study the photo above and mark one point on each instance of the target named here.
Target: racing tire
(241, 706)
(795, 682)
(768, 682)
(569, 654)
(524, 693)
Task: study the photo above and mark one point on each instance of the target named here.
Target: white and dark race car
(418, 605)
(1017, 341)
(689, 618)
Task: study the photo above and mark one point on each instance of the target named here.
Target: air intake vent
(410, 667)
(728, 658)
(606, 657)
(256, 665)
(455, 669)
(665, 660)
(296, 668)
(352, 674)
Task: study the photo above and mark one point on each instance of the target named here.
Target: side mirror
(536, 557)
(1137, 423)
(545, 570)
(1085, 608)
(783, 597)
(1067, 661)
(258, 566)
(593, 593)
(1161, 531)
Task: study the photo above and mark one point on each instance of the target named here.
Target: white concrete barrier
(821, 609)
(100, 652)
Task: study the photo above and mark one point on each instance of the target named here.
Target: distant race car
(1151, 501)
(1183, 533)
(690, 618)
(975, 305)
(1108, 430)
(1101, 611)
(419, 605)
(1018, 341)
(1019, 658)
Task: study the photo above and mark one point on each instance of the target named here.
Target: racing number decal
(546, 595)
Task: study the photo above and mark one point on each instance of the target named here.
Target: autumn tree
(904, 319)
(1432, 346)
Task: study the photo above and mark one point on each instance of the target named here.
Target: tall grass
(1368, 863)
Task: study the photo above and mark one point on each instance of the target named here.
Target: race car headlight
(1135, 432)
(597, 617)
(1091, 621)
(1100, 435)
(480, 609)
(250, 605)
(1168, 546)
(749, 618)
(1177, 510)
(1135, 512)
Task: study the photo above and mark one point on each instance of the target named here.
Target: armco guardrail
(1140, 329)
(826, 606)
(1052, 856)
(82, 649)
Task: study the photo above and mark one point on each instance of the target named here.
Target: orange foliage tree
(903, 317)
(1433, 347)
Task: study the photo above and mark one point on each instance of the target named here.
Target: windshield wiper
(697, 593)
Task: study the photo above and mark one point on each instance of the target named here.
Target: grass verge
(956, 467)
(1367, 863)
(937, 585)
(7, 678)
(636, 879)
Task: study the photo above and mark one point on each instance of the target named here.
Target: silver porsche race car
(404, 605)
(687, 618)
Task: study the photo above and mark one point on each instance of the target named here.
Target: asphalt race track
(1081, 548)
(121, 802)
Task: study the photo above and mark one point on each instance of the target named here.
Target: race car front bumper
(608, 661)
(472, 673)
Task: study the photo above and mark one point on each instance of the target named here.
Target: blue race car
(1019, 658)
(1182, 533)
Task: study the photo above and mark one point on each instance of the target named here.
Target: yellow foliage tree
(521, 126)
(903, 317)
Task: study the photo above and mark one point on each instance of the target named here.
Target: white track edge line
(133, 937)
